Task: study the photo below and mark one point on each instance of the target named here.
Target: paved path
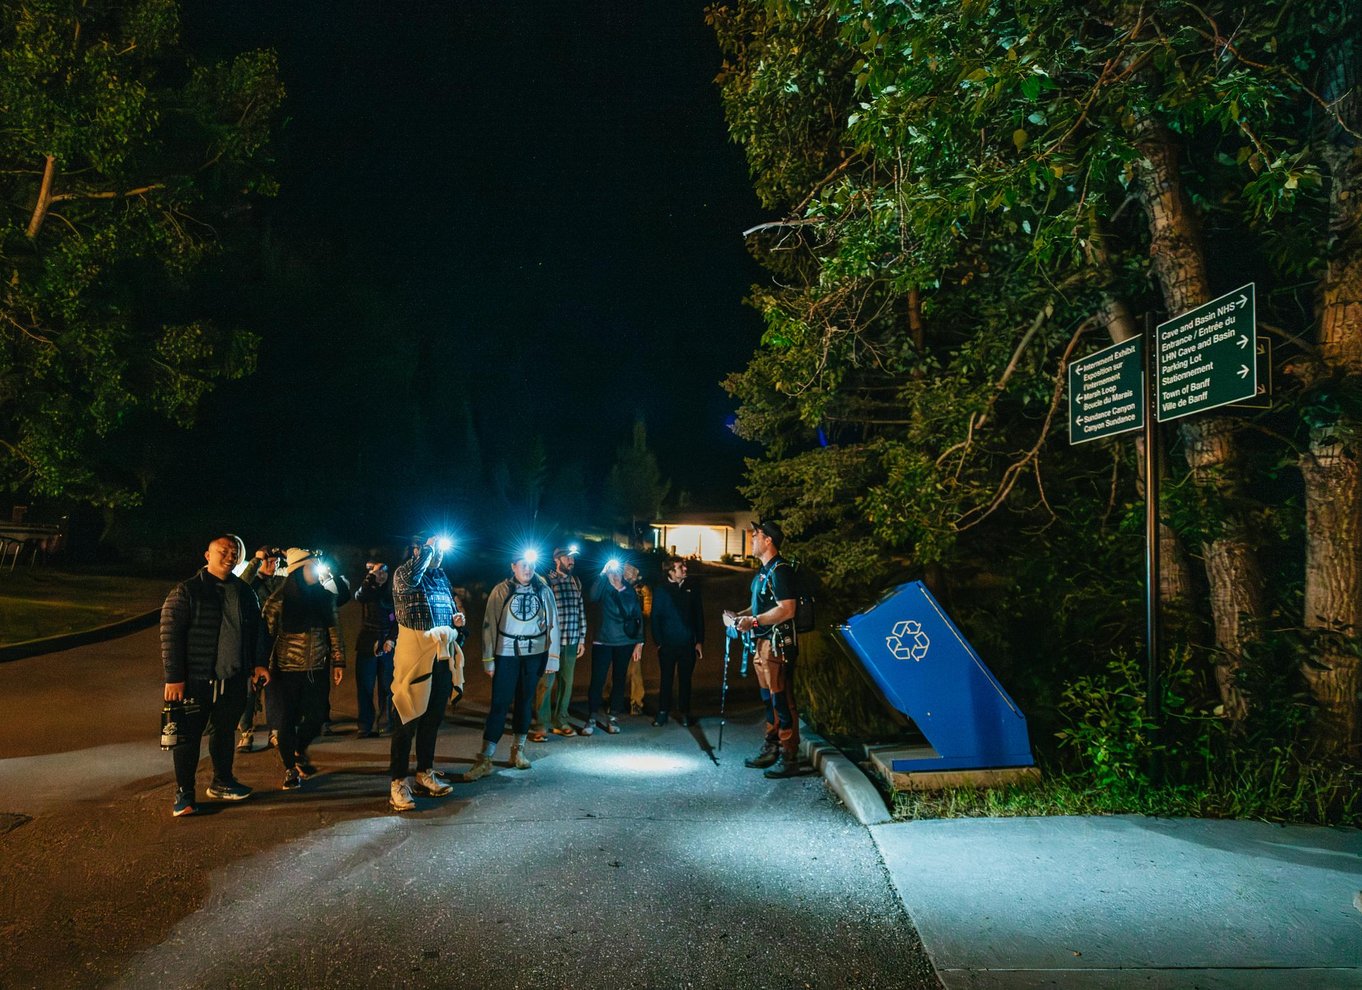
(626, 861)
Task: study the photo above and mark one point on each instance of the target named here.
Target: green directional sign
(1106, 392)
(1263, 398)
(1205, 357)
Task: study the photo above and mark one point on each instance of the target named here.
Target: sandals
(563, 730)
(538, 735)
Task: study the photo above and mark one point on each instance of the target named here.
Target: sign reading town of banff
(1206, 357)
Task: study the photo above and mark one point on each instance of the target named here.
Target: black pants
(302, 701)
(681, 660)
(424, 728)
(612, 660)
(513, 682)
(219, 717)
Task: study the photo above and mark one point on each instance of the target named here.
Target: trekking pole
(723, 691)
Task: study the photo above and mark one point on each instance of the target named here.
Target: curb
(862, 798)
(55, 644)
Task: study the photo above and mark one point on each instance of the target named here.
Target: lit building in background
(706, 536)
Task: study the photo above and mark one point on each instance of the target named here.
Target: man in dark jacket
(210, 642)
(679, 629)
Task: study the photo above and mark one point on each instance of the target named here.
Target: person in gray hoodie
(520, 641)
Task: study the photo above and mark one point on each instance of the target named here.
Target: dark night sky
(542, 196)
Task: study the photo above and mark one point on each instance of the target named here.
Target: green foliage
(123, 162)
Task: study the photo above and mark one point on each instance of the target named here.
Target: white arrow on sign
(1242, 300)
(1243, 341)
(1243, 371)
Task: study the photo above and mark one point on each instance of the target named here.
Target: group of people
(239, 632)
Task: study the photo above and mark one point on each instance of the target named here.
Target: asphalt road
(645, 859)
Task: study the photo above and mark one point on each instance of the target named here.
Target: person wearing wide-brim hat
(308, 657)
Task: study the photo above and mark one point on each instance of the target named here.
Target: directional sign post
(1206, 356)
(1106, 392)
(1263, 400)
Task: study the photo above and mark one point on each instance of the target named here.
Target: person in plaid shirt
(554, 693)
(427, 668)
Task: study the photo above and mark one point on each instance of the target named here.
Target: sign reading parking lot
(1106, 392)
(1205, 357)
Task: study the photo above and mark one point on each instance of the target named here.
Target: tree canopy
(126, 164)
(970, 195)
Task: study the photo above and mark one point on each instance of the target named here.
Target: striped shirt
(567, 595)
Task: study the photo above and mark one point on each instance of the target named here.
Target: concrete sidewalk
(1129, 901)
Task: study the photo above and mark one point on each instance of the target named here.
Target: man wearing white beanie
(427, 667)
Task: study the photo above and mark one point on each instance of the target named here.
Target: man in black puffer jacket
(210, 643)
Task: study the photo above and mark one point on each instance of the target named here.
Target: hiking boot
(787, 767)
(661, 719)
(770, 752)
(481, 767)
(232, 790)
(518, 759)
(430, 785)
(245, 742)
(184, 803)
(399, 796)
(292, 779)
(636, 709)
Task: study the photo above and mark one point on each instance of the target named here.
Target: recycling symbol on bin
(908, 641)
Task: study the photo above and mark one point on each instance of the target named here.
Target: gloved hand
(490, 666)
(552, 667)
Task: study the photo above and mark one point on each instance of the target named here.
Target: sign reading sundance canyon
(1106, 392)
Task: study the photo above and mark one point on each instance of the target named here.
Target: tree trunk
(1175, 573)
(1331, 469)
(1232, 569)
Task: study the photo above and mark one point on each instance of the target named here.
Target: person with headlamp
(618, 642)
(308, 657)
(770, 620)
(427, 667)
(262, 577)
(554, 694)
(520, 641)
(374, 650)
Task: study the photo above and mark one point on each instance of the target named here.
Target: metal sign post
(1154, 690)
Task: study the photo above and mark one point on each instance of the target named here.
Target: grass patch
(37, 603)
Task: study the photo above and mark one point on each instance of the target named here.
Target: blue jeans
(374, 672)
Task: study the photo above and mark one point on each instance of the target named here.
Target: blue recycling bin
(927, 670)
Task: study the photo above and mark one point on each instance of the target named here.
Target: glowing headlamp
(612, 564)
(529, 555)
(574, 549)
(444, 544)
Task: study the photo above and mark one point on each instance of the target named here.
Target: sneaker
(585, 730)
(232, 790)
(518, 759)
(292, 779)
(430, 785)
(184, 804)
(538, 735)
(661, 719)
(274, 740)
(399, 796)
(563, 730)
(609, 723)
(442, 777)
(245, 741)
(768, 755)
(481, 767)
